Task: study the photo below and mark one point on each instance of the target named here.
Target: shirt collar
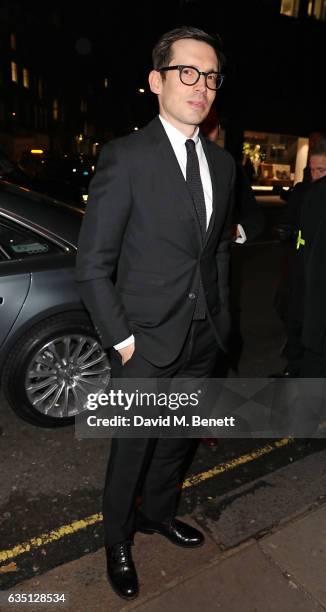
(175, 136)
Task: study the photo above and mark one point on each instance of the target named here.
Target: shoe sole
(152, 531)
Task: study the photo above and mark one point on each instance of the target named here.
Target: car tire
(26, 356)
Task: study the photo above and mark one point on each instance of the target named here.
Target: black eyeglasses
(190, 76)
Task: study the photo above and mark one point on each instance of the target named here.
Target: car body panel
(13, 292)
(61, 220)
(52, 290)
(36, 287)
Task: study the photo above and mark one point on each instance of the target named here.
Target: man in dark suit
(309, 289)
(152, 268)
(299, 298)
(311, 243)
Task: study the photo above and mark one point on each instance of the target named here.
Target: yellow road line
(230, 465)
(52, 536)
(57, 534)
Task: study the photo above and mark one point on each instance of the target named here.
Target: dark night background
(275, 67)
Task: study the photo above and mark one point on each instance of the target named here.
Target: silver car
(50, 355)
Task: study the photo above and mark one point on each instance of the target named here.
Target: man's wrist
(124, 343)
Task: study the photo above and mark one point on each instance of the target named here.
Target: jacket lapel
(170, 165)
(214, 180)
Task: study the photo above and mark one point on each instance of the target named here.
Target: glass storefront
(271, 159)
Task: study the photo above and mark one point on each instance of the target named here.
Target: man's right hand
(127, 352)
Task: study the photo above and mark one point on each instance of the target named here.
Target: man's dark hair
(162, 52)
(319, 146)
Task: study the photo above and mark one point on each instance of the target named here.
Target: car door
(17, 246)
(13, 291)
(14, 285)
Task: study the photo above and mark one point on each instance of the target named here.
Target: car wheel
(53, 367)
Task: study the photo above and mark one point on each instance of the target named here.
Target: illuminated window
(26, 78)
(55, 109)
(13, 41)
(106, 83)
(317, 9)
(14, 73)
(290, 8)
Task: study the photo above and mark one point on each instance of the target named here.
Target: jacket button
(192, 296)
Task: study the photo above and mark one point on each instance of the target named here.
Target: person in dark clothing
(312, 244)
(153, 271)
(309, 409)
(290, 297)
(287, 303)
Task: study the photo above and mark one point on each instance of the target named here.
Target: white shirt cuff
(242, 238)
(124, 343)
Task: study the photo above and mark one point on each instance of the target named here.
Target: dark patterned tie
(195, 185)
(197, 192)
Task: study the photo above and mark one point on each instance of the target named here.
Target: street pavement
(281, 572)
(261, 503)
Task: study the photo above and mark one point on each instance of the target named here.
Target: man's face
(317, 165)
(185, 106)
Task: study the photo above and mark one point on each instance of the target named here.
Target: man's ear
(155, 81)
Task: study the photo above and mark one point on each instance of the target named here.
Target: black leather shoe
(121, 570)
(176, 531)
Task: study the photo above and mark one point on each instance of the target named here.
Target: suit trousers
(153, 467)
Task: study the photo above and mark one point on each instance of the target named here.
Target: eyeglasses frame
(199, 72)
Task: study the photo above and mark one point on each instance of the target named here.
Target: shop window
(14, 72)
(269, 159)
(290, 8)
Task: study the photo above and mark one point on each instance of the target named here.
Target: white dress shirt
(242, 238)
(178, 143)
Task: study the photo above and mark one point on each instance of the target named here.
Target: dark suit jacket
(141, 256)
(313, 228)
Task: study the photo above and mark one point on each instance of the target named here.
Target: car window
(19, 243)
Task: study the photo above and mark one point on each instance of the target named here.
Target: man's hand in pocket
(127, 352)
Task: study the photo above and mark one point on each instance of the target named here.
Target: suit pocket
(136, 281)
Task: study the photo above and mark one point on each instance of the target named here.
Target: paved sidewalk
(282, 572)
